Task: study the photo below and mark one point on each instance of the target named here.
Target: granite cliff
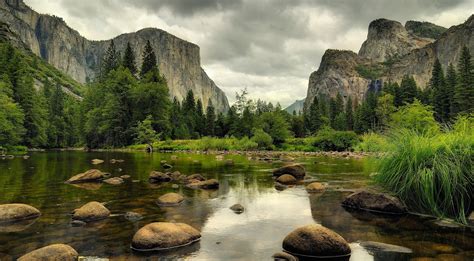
(61, 46)
(390, 52)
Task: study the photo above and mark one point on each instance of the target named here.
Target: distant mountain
(63, 47)
(296, 106)
(390, 52)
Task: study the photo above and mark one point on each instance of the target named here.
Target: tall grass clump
(432, 173)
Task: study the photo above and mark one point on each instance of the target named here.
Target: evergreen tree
(129, 60)
(221, 126)
(111, 60)
(464, 92)
(333, 111)
(210, 127)
(57, 135)
(315, 122)
(349, 115)
(148, 58)
(11, 117)
(451, 82)
(200, 118)
(440, 96)
(408, 90)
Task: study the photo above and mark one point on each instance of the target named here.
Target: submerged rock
(282, 256)
(16, 226)
(156, 177)
(133, 216)
(97, 161)
(286, 179)
(316, 241)
(377, 202)
(237, 208)
(166, 166)
(383, 247)
(170, 199)
(58, 252)
(78, 223)
(315, 187)
(280, 187)
(206, 184)
(114, 181)
(91, 211)
(92, 175)
(17, 212)
(164, 235)
(296, 170)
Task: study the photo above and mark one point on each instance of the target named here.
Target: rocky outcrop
(295, 107)
(164, 235)
(315, 241)
(390, 52)
(52, 39)
(17, 212)
(56, 252)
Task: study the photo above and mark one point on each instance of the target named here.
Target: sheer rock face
(407, 54)
(52, 39)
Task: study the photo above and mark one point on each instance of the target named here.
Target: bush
(432, 173)
(263, 139)
(372, 142)
(331, 140)
(416, 117)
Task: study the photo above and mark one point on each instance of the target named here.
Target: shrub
(432, 173)
(331, 140)
(263, 139)
(372, 142)
(416, 117)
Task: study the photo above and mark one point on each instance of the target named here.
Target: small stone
(167, 166)
(156, 177)
(133, 216)
(52, 252)
(170, 199)
(175, 186)
(91, 211)
(282, 256)
(315, 187)
(164, 235)
(237, 208)
(286, 179)
(125, 176)
(97, 161)
(296, 170)
(92, 175)
(207, 184)
(114, 181)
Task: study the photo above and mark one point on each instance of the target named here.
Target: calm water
(253, 235)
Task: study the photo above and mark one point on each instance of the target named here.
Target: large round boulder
(92, 175)
(17, 212)
(164, 235)
(316, 241)
(286, 179)
(91, 211)
(56, 252)
(156, 177)
(206, 184)
(170, 199)
(373, 201)
(296, 170)
(315, 187)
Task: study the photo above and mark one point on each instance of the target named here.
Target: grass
(205, 144)
(432, 174)
(373, 142)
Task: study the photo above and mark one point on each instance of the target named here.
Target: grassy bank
(431, 172)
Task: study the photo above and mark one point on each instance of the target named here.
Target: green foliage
(148, 58)
(263, 139)
(331, 140)
(144, 132)
(385, 108)
(370, 72)
(128, 60)
(432, 173)
(11, 118)
(111, 60)
(463, 99)
(416, 117)
(373, 142)
(275, 124)
(408, 90)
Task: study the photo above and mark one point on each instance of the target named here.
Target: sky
(269, 47)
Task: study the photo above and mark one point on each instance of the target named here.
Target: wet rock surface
(17, 212)
(316, 241)
(315, 187)
(286, 179)
(92, 175)
(206, 184)
(114, 181)
(91, 211)
(374, 201)
(170, 199)
(156, 177)
(164, 235)
(282, 256)
(56, 252)
(296, 170)
(237, 208)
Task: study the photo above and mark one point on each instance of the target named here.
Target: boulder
(17, 212)
(97, 161)
(206, 184)
(286, 179)
(114, 181)
(282, 256)
(296, 170)
(373, 201)
(91, 211)
(315, 187)
(175, 175)
(195, 177)
(56, 252)
(164, 235)
(156, 176)
(316, 241)
(170, 199)
(237, 208)
(92, 175)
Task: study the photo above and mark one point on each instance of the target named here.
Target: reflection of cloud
(266, 45)
(269, 216)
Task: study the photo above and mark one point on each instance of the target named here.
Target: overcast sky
(269, 47)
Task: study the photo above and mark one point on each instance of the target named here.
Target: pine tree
(210, 120)
(333, 110)
(408, 89)
(129, 59)
(440, 97)
(464, 92)
(111, 60)
(315, 122)
(149, 59)
(200, 119)
(349, 115)
(451, 81)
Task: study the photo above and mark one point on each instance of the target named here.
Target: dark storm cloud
(269, 46)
